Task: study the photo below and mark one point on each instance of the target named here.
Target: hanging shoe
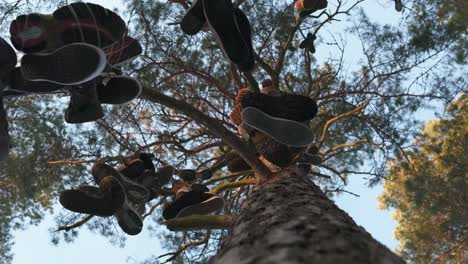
(308, 43)
(70, 65)
(245, 29)
(275, 152)
(99, 201)
(187, 175)
(135, 191)
(118, 90)
(8, 62)
(205, 174)
(123, 51)
(133, 169)
(165, 174)
(310, 159)
(150, 180)
(287, 132)
(221, 19)
(290, 106)
(18, 84)
(194, 18)
(398, 5)
(129, 219)
(84, 105)
(237, 164)
(77, 22)
(307, 7)
(192, 202)
(147, 161)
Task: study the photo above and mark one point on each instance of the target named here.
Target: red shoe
(77, 22)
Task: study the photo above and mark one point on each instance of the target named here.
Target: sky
(33, 245)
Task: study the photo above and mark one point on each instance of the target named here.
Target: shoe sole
(220, 17)
(245, 29)
(20, 85)
(287, 132)
(188, 199)
(129, 220)
(123, 52)
(70, 65)
(194, 19)
(79, 202)
(209, 206)
(77, 22)
(8, 59)
(119, 90)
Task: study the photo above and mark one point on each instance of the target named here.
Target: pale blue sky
(33, 245)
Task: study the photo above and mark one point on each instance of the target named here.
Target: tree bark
(292, 221)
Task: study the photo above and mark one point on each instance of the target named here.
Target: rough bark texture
(292, 221)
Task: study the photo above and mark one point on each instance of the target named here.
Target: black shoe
(290, 106)
(19, 84)
(150, 179)
(308, 43)
(72, 64)
(246, 32)
(191, 202)
(4, 135)
(129, 220)
(133, 169)
(187, 175)
(147, 161)
(310, 159)
(165, 174)
(205, 174)
(8, 62)
(194, 18)
(135, 191)
(93, 200)
(221, 19)
(238, 164)
(118, 90)
(84, 105)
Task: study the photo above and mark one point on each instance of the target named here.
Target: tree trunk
(292, 221)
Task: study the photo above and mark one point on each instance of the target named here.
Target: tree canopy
(366, 110)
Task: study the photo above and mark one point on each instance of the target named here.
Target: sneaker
(205, 174)
(93, 200)
(310, 159)
(398, 5)
(70, 65)
(135, 191)
(77, 22)
(287, 132)
(307, 7)
(192, 202)
(308, 43)
(118, 90)
(194, 18)
(237, 164)
(84, 105)
(147, 161)
(187, 175)
(221, 19)
(4, 135)
(129, 219)
(123, 51)
(245, 29)
(133, 169)
(150, 180)
(290, 106)
(18, 84)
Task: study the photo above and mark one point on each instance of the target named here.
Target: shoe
(205, 174)
(70, 65)
(194, 18)
(118, 90)
(221, 19)
(123, 51)
(77, 22)
(188, 175)
(191, 202)
(93, 200)
(150, 180)
(129, 219)
(147, 161)
(165, 174)
(8, 62)
(275, 152)
(135, 191)
(133, 169)
(4, 135)
(84, 105)
(245, 29)
(236, 115)
(308, 43)
(310, 159)
(290, 106)
(398, 5)
(20, 85)
(307, 7)
(237, 164)
(287, 132)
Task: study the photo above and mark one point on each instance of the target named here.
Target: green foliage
(429, 191)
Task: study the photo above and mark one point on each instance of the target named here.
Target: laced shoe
(123, 51)
(307, 7)
(133, 169)
(129, 220)
(84, 105)
(194, 18)
(118, 90)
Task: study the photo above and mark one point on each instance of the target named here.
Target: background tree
(429, 191)
(366, 109)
